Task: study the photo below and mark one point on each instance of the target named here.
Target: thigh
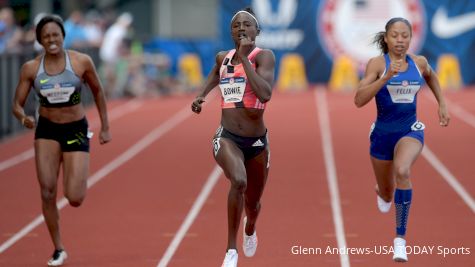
(383, 170)
(257, 170)
(230, 158)
(48, 160)
(75, 170)
(407, 151)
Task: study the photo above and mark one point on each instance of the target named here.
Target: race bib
(403, 92)
(232, 89)
(418, 126)
(58, 93)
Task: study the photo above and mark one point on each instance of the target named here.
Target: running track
(156, 197)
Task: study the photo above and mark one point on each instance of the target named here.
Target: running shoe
(399, 250)
(58, 258)
(231, 258)
(383, 206)
(249, 243)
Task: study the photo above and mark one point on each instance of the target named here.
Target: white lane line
(25, 155)
(324, 119)
(456, 110)
(115, 113)
(469, 119)
(146, 141)
(190, 218)
(448, 177)
(462, 114)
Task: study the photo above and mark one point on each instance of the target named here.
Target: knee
(239, 184)
(75, 201)
(48, 193)
(402, 173)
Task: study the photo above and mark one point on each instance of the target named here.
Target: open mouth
(399, 48)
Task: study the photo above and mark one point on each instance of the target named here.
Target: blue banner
(322, 30)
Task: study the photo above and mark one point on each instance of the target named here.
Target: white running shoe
(231, 258)
(383, 206)
(249, 243)
(58, 258)
(400, 250)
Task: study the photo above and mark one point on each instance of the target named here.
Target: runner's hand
(29, 122)
(394, 68)
(196, 105)
(444, 117)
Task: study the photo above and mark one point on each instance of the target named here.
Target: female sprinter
(397, 137)
(245, 76)
(61, 135)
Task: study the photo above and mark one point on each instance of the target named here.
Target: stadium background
(321, 190)
(320, 36)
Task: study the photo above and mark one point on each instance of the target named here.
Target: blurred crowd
(108, 38)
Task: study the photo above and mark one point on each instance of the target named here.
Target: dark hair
(379, 37)
(250, 11)
(47, 19)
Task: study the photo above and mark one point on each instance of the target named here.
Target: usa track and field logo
(348, 27)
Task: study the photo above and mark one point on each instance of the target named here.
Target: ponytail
(379, 37)
(380, 43)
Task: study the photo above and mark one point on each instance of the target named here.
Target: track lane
(295, 206)
(82, 227)
(130, 217)
(18, 183)
(455, 144)
(438, 216)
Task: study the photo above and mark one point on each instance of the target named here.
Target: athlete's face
(398, 38)
(244, 25)
(52, 38)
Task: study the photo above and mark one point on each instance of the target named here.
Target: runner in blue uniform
(397, 137)
(61, 135)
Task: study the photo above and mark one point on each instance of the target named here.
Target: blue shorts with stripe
(382, 143)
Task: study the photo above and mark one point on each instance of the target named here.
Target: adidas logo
(258, 143)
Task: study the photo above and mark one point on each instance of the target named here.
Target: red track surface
(132, 214)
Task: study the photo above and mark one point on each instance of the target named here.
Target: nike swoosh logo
(445, 27)
(69, 142)
(44, 81)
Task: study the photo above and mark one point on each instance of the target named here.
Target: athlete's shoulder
(420, 61)
(377, 62)
(220, 56)
(80, 62)
(78, 56)
(30, 67)
(222, 53)
(265, 54)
